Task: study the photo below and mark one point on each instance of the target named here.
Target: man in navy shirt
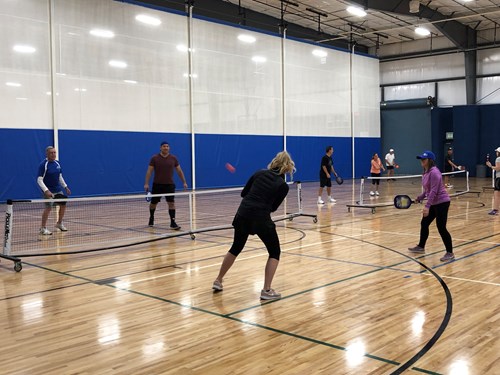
(52, 183)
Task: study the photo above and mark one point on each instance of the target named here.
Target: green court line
(226, 316)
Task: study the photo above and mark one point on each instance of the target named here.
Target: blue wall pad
(106, 162)
(247, 153)
(364, 148)
(466, 136)
(308, 151)
(22, 150)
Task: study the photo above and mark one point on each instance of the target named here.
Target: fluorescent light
(13, 84)
(186, 75)
(319, 53)
(117, 64)
(131, 81)
(183, 48)
(148, 19)
(422, 31)
(24, 48)
(101, 33)
(259, 59)
(21, 98)
(356, 11)
(246, 38)
(79, 89)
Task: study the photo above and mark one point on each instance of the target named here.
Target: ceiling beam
(460, 35)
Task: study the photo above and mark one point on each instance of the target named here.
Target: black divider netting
(115, 221)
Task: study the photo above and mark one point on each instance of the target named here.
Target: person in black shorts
(325, 171)
(449, 166)
(163, 165)
(262, 194)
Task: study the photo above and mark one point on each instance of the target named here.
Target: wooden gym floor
(354, 300)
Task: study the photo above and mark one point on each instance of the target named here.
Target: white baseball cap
(498, 149)
(392, 150)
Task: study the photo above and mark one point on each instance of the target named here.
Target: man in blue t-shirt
(52, 183)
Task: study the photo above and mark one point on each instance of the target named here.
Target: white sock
(319, 198)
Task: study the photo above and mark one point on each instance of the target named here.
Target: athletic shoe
(372, 193)
(449, 186)
(447, 257)
(269, 294)
(45, 232)
(151, 221)
(416, 249)
(61, 227)
(377, 193)
(174, 226)
(493, 212)
(331, 200)
(217, 286)
(320, 201)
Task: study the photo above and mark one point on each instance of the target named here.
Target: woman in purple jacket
(436, 207)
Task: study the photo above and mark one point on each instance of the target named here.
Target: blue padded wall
(308, 151)
(247, 153)
(22, 150)
(104, 162)
(466, 136)
(364, 149)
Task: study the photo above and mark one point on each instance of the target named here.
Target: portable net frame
(403, 185)
(104, 223)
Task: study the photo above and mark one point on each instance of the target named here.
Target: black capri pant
(440, 213)
(264, 228)
(376, 181)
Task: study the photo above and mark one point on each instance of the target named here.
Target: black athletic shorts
(390, 167)
(497, 184)
(163, 189)
(324, 181)
(58, 195)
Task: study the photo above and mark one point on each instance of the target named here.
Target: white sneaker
(372, 193)
(61, 227)
(320, 201)
(377, 193)
(331, 200)
(45, 232)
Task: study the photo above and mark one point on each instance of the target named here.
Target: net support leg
(7, 244)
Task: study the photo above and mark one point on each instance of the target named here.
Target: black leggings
(440, 213)
(265, 229)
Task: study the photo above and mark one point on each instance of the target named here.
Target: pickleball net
(367, 197)
(103, 223)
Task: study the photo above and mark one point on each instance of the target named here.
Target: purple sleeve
(435, 185)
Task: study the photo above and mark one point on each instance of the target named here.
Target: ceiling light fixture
(117, 64)
(259, 59)
(148, 19)
(414, 6)
(131, 81)
(101, 33)
(422, 31)
(246, 38)
(319, 53)
(13, 84)
(356, 11)
(24, 48)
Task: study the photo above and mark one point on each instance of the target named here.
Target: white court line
(195, 269)
(461, 279)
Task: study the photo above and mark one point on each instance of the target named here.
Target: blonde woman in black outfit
(262, 194)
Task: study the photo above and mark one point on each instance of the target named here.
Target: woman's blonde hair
(283, 163)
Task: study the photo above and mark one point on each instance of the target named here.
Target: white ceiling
(481, 15)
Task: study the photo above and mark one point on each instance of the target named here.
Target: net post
(191, 209)
(361, 190)
(299, 196)
(8, 229)
(467, 180)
